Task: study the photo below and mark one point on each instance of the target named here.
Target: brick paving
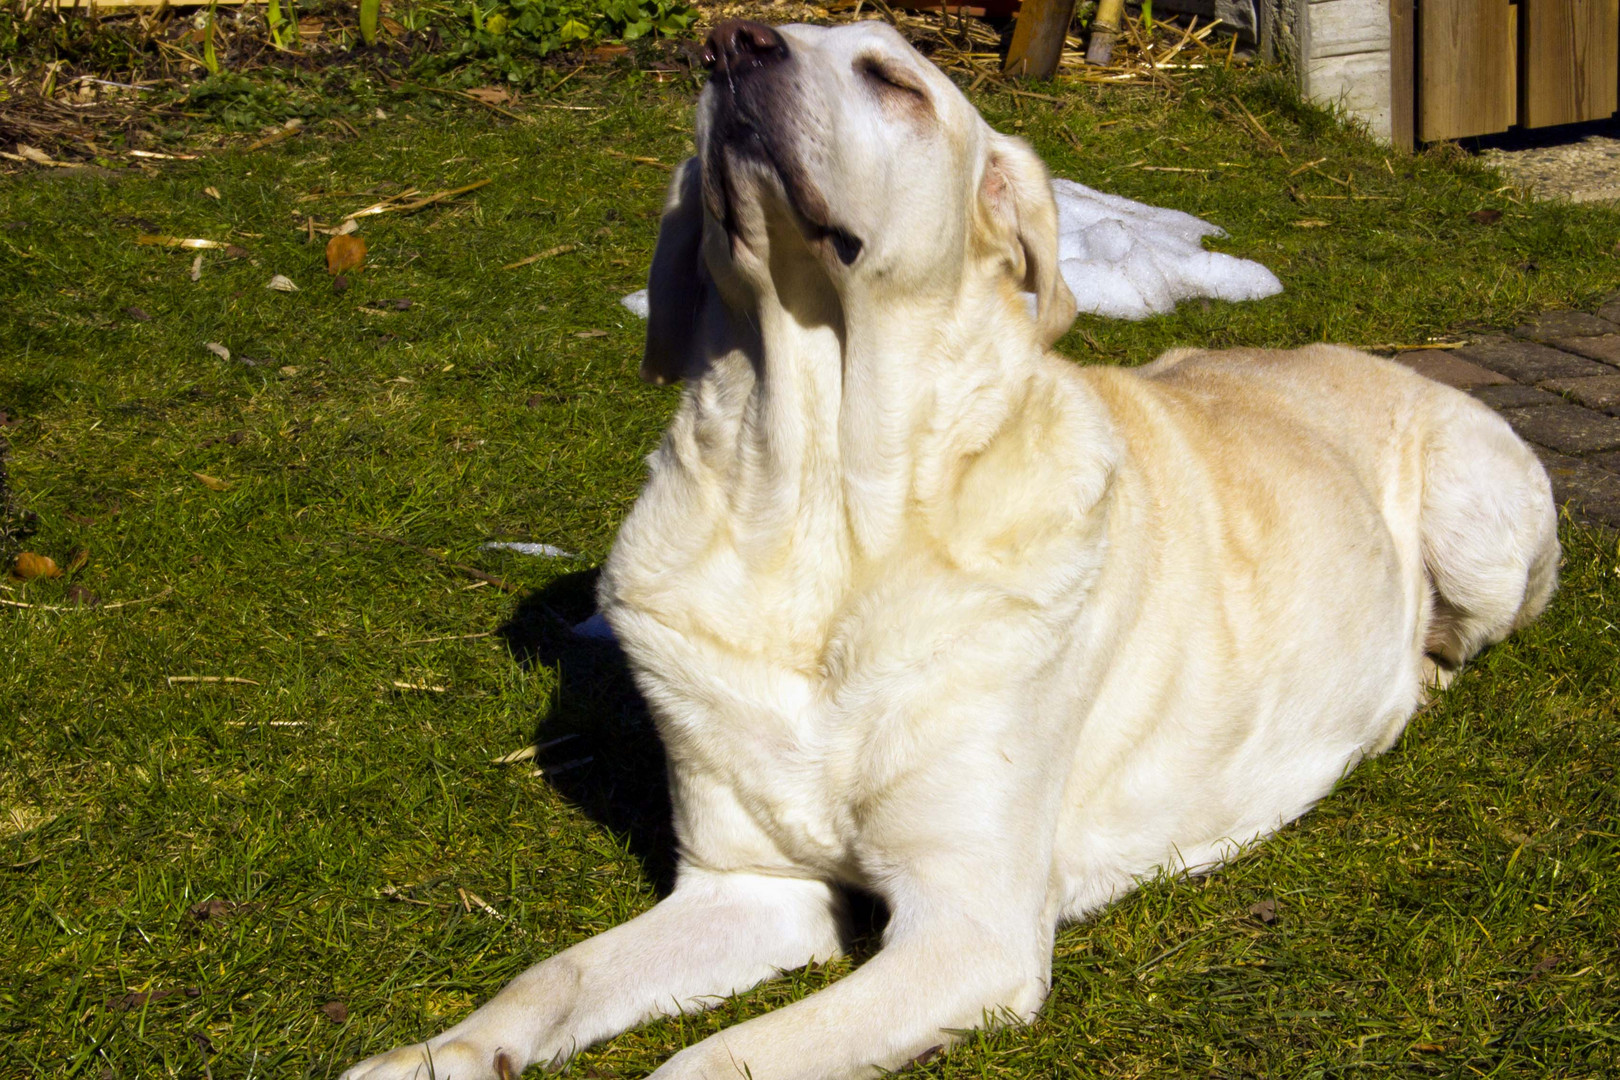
(1557, 381)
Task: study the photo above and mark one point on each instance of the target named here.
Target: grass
(1452, 910)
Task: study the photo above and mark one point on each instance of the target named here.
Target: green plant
(369, 10)
(281, 28)
(210, 57)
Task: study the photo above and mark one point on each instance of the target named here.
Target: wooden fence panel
(1466, 68)
(1571, 61)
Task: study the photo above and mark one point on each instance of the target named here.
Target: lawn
(317, 859)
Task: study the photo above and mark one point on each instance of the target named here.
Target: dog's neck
(844, 416)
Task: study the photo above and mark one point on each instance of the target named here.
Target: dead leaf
(1544, 965)
(1310, 223)
(38, 157)
(1428, 1047)
(217, 349)
(490, 95)
(394, 29)
(77, 560)
(139, 1000)
(232, 251)
(7, 420)
(83, 597)
(535, 401)
(287, 371)
(211, 192)
(340, 284)
(345, 252)
(138, 314)
(211, 909)
(1486, 217)
(1265, 911)
(196, 268)
(607, 52)
(29, 566)
(591, 333)
(212, 483)
(335, 1011)
(281, 283)
(560, 249)
(928, 1055)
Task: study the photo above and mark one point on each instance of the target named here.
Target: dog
(923, 609)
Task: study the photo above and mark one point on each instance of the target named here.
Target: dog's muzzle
(754, 119)
(738, 45)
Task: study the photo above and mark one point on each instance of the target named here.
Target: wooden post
(1104, 28)
(1037, 43)
(1403, 74)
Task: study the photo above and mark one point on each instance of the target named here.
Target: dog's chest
(770, 763)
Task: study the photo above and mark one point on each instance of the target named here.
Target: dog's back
(1321, 536)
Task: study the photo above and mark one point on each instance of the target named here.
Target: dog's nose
(737, 44)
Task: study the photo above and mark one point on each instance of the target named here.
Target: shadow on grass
(623, 787)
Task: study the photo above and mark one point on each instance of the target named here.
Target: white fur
(923, 608)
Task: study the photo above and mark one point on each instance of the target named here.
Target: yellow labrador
(923, 608)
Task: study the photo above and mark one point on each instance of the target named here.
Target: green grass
(1452, 910)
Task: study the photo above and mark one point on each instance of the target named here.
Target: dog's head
(837, 166)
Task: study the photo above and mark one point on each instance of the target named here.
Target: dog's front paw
(454, 1059)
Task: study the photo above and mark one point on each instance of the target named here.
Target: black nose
(738, 44)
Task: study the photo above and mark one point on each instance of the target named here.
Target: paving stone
(1526, 362)
(1609, 459)
(1601, 392)
(1591, 492)
(1444, 368)
(1610, 309)
(1569, 429)
(1604, 347)
(1513, 396)
(1564, 324)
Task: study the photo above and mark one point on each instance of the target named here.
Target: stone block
(1611, 309)
(1567, 428)
(1526, 362)
(1444, 368)
(1513, 396)
(1609, 459)
(1592, 493)
(1564, 324)
(1348, 27)
(1601, 347)
(1358, 84)
(1601, 392)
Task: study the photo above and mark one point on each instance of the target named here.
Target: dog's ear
(678, 286)
(1015, 199)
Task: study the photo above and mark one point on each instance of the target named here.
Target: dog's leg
(715, 935)
(1490, 532)
(951, 962)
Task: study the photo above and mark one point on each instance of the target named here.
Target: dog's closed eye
(890, 79)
